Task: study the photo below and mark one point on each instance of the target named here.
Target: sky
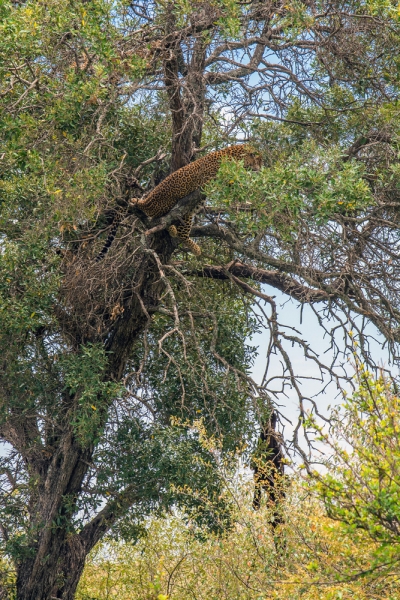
(289, 312)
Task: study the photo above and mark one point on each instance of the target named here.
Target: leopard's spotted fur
(182, 182)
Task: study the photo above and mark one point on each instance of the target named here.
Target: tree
(106, 365)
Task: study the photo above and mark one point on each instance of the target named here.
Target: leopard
(160, 200)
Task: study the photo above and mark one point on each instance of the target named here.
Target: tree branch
(277, 280)
(92, 532)
(182, 207)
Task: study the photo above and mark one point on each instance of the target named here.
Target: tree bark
(58, 574)
(186, 95)
(52, 558)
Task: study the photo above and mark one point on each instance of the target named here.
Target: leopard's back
(186, 180)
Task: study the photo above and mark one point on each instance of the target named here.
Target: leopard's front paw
(172, 230)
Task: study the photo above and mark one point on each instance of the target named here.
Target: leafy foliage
(361, 488)
(306, 183)
(319, 559)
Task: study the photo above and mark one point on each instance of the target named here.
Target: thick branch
(93, 531)
(245, 70)
(215, 231)
(277, 280)
(182, 208)
(364, 141)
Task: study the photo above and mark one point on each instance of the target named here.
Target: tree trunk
(186, 97)
(52, 556)
(55, 558)
(58, 573)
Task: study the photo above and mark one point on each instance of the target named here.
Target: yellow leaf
(94, 408)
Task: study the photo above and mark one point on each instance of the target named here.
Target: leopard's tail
(182, 232)
(110, 239)
(195, 248)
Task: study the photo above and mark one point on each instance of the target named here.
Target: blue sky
(289, 313)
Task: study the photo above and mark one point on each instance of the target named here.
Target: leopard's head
(252, 159)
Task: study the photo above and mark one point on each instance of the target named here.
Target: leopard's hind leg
(182, 232)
